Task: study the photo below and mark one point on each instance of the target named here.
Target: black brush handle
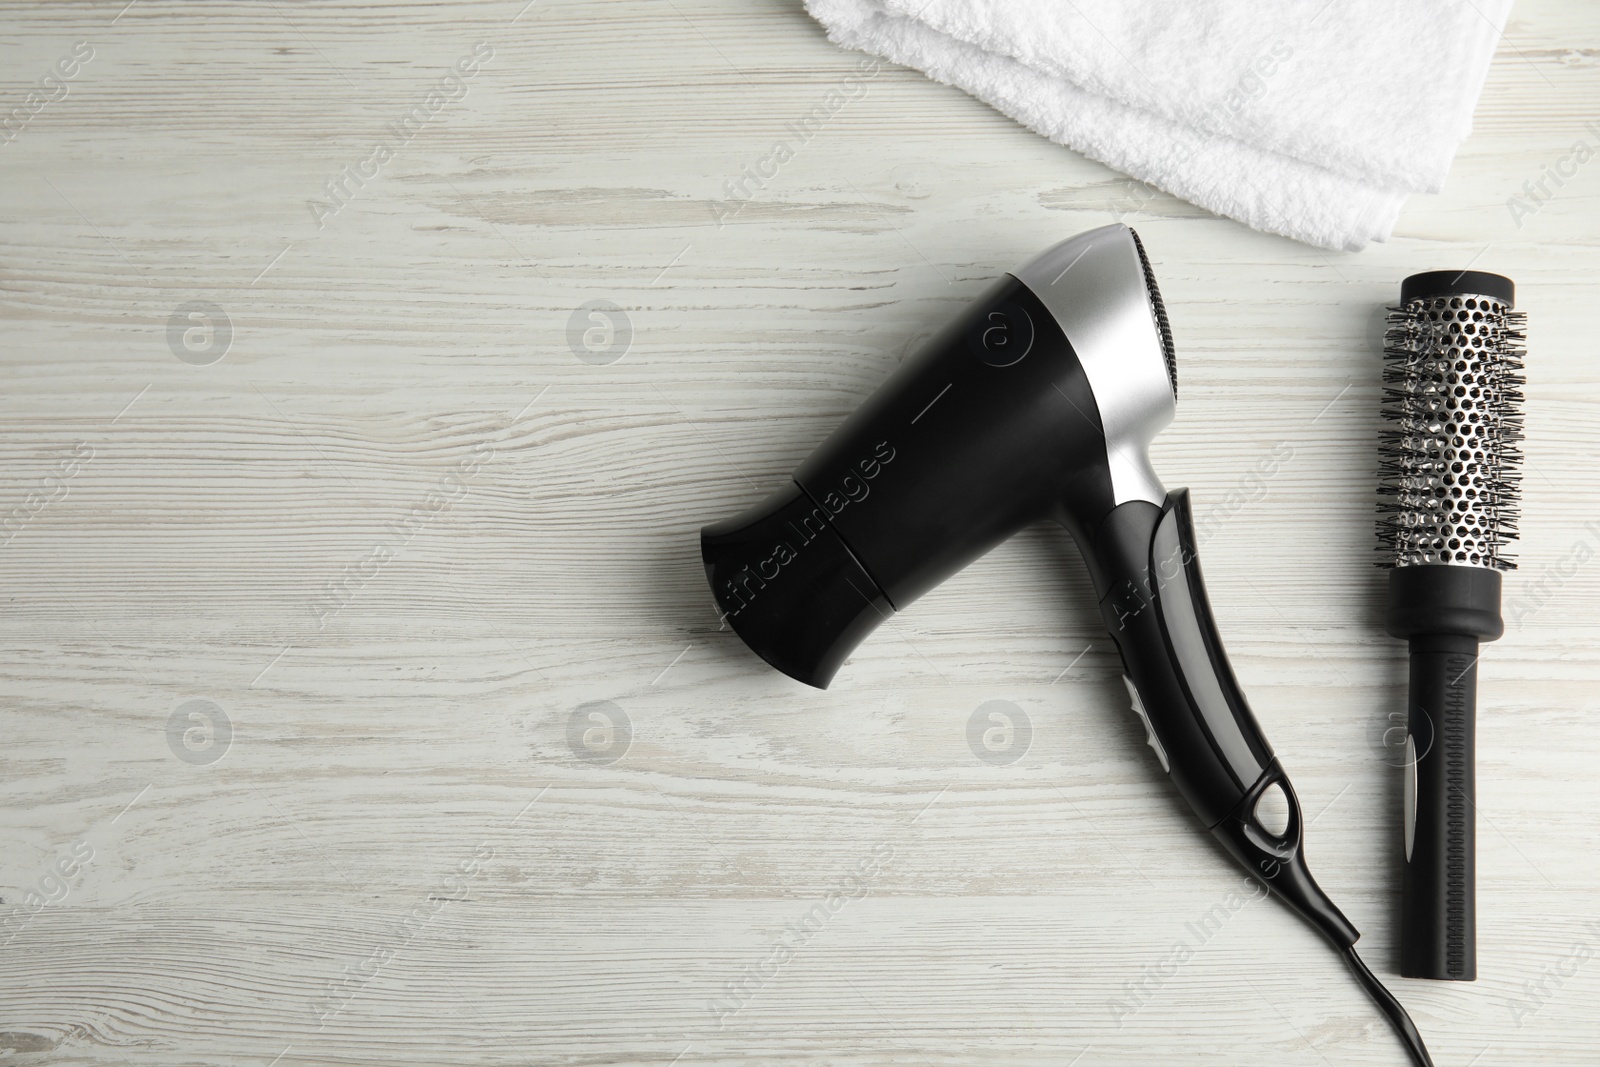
(1438, 914)
(1443, 611)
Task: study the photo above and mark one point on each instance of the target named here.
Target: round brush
(1447, 507)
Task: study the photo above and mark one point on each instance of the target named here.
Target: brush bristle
(1449, 465)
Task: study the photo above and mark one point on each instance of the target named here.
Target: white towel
(1308, 118)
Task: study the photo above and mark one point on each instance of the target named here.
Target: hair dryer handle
(1195, 716)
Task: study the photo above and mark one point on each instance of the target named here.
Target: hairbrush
(1447, 508)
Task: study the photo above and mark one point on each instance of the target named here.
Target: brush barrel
(1443, 611)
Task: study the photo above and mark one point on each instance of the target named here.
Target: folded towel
(1308, 118)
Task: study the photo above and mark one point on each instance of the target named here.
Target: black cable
(1390, 1007)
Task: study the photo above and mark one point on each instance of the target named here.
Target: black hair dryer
(1039, 402)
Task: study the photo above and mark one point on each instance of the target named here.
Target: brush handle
(1438, 912)
(1444, 611)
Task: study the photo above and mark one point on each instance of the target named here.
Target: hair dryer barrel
(987, 429)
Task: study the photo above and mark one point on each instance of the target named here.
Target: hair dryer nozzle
(816, 602)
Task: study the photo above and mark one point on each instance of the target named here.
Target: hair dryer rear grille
(1448, 468)
(1160, 309)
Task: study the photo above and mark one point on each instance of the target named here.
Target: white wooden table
(302, 598)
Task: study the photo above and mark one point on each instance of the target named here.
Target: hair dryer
(1039, 402)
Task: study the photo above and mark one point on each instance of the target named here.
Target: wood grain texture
(400, 858)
